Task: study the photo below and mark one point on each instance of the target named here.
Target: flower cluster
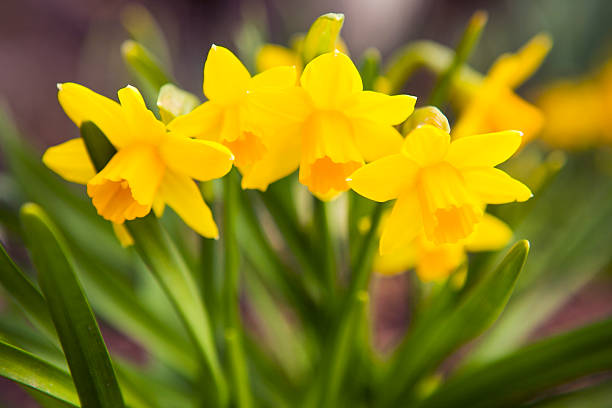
(320, 121)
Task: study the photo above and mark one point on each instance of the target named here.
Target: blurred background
(47, 42)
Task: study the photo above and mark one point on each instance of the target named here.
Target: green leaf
(142, 27)
(519, 376)
(233, 326)
(74, 321)
(145, 67)
(598, 396)
(170, 270)
(322, 36)
(23, 291)
(369, 68)
(25, 368)
(172, 101)
(424, 349)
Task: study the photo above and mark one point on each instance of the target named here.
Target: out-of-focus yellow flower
(578, 111)
(223, 118)
(440, 186)
(493, 106)
(152, 167)
(436, 262)
(274, 55)
(327, 127)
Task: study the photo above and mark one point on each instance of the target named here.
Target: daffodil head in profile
(433, 262)
(492, 105)
(328, 127)
(151, 168)
(440, 186)
(224, 117)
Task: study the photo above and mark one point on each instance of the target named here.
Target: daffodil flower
(493, 106)
(224, 117)
(578, 110)
(436, 262)
(440, 186)
(152, 167)
(327, 127)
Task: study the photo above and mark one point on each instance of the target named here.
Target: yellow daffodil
(152, 167)
(493, 106)
(578, 111)
(436, 262)
(327, 127)
(223, 118)
(440, 186)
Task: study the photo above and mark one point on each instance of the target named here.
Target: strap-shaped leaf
(27, 296)
(518, 376)
(480, 307)
(72, 316)
(170, 270)
(20, 366)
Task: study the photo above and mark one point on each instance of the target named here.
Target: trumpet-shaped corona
(440, 186)
(327, 128)
(152, 167)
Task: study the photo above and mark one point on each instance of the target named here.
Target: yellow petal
(199, 159)
(71, 161)
(516, 113)
(396, 262)
(279, 108)
(182, 194)
(273, 79)
(330, 80)
(123, 235)
(281, 159)
(384, 179)
(231, 126)
(204, 122)
(82, 104)
(380, 108)
(514, 69)
(437, 262)
(375, 140)
(487, 150)
(143, 123)
(490, 234)
(225, 78)
(403, 225)
(493, 186)
(426, 145)
(126, 187)
(272, 55)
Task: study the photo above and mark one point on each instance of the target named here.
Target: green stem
(431, 55)
(468, 42)
(233, 331)
(322, 235)
(336, 360)
(164, 262)
(288, 225)
(268, 264)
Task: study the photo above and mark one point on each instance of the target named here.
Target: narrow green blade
(23, 291)
(25, 368)
(74, 321)
(519, 376)
(479, 308)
